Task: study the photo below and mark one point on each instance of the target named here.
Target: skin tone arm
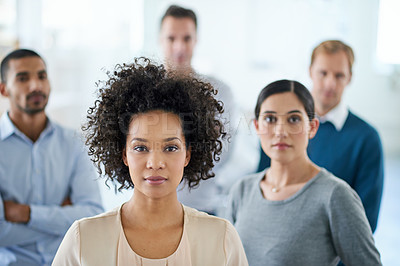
(15, 212)
(20, 213)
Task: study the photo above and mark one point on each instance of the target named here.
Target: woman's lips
(155, 180)
(281, 146)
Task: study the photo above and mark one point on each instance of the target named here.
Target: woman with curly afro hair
(151, 130)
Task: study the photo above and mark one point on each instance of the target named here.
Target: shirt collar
(7, 128)
(337, 116)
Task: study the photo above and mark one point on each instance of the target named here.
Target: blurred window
(388, 42)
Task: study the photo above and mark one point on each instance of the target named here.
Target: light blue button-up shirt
(43, 174)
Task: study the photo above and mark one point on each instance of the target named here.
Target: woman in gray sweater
(296, 213)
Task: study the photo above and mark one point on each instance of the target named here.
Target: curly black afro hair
(142, 87)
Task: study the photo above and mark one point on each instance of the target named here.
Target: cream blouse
(100, 240)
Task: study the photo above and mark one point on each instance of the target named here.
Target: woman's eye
(140, 148)
(171, 148)
(294, 119)
(270, 119)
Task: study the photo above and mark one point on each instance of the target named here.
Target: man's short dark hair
(16, 54)
(180, 12)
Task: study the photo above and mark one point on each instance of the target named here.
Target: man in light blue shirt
(46, 178)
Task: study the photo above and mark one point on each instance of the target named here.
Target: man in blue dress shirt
(345, 144)
(46, 178)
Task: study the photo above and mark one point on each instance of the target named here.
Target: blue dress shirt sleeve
(16, 234)
(84, 195)
(42, 174)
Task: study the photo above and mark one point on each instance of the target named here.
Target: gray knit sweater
(322, 223)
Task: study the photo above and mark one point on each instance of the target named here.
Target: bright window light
(388, 45)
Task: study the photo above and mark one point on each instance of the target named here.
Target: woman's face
(284, 127)
(156, 153)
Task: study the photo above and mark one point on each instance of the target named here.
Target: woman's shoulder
(192, 214)
(102, 217)
(247, 183)
(209, 234)
(92, 239)
(100, 229)
(203, 223)
(329, 184)
(329, 180)
(100, 224)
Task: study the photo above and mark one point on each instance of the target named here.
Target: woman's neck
(285, 174)
(282, 181)
(158, 220)
(141, 212)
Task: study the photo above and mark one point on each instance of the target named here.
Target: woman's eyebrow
(269, 112)
(290, 112)
(172, 138)
(294, 111)
(164, 140)
(139, 139)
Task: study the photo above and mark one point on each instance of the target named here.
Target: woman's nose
(280, 129)
(155, 161)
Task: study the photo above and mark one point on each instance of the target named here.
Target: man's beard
(34, 110)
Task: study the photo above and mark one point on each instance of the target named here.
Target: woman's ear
(255, 121)
(124, 156)
(188, 155)
(314, 124)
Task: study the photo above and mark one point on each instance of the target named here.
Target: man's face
(178, 39)
(330, 74)
(26, 85)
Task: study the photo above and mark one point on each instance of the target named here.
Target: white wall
(246, 43)
(251, 43)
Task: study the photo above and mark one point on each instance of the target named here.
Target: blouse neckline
(179, 249)
(291, 198)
